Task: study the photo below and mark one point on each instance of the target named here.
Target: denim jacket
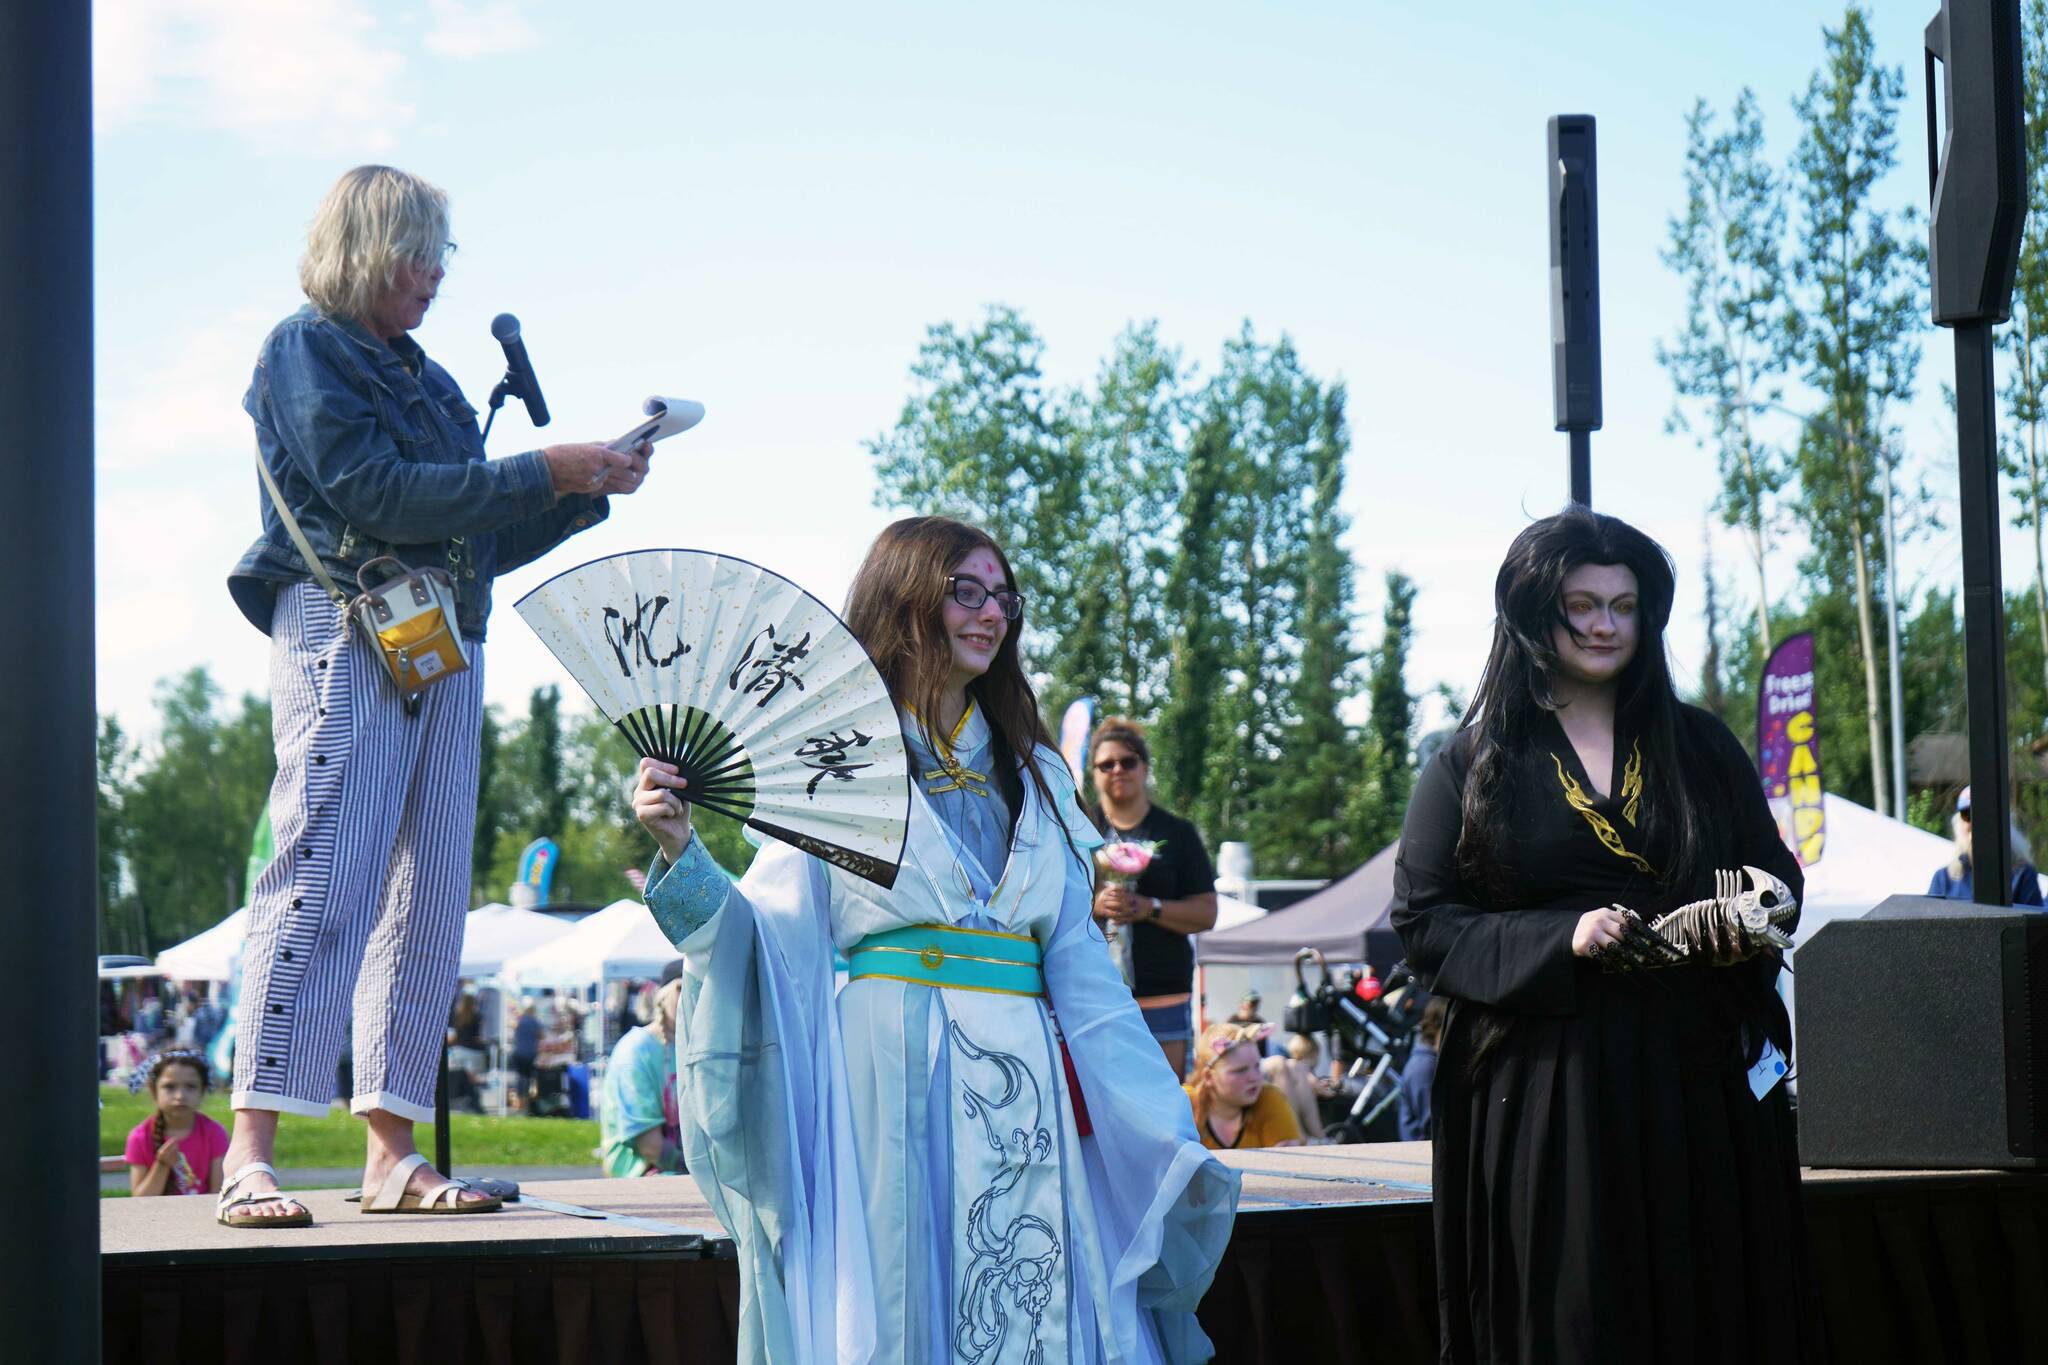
(377, 453)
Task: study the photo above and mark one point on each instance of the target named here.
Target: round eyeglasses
(971, 593)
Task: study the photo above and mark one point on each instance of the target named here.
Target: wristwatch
(1157, 906)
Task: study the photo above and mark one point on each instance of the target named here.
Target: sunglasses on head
(1117, 765)
(972, 592)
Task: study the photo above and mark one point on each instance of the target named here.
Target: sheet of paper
(1768, 1071)
(666, 417)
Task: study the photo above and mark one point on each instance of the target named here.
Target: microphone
(518, 381)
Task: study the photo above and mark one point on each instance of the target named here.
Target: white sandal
(393, 1197)
(224, 1208)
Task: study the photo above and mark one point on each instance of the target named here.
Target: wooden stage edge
(665, 1216)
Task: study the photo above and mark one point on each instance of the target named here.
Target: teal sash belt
(951, 958)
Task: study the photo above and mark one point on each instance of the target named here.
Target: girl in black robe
(1608, 1186)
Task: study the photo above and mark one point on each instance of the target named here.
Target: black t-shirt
(1163, 962)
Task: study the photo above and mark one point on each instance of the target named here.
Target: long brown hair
(896, 609)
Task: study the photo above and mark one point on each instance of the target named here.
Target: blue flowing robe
(899, 1164)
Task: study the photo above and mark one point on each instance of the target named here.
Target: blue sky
(764, 210)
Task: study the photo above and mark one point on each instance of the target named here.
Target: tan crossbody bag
(410, 614)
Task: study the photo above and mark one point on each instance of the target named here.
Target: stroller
(1369, 1024)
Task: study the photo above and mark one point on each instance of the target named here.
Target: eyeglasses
(1117, 765)
(971, 593)
(429, 261)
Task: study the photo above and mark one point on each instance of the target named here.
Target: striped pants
(355, 927)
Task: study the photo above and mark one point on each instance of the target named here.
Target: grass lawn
(337, 1138)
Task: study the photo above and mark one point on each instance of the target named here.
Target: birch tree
(2025, 339)
(1728, 360)
(1852, 327)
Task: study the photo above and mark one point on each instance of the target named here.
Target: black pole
(1983, 617)
(442, 1161)
(1977, 177)
(50, 1301)
(1575, 291)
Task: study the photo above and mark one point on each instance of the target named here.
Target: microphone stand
(508, 387)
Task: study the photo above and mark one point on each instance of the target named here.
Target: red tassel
(1081, 1123)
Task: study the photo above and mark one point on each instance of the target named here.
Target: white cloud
(467, 29)
(317, 74)
(189, 409)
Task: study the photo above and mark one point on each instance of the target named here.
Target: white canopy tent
(495, 934)
(1231, 912)
(208, 955)
(1868, 858)
(621, 941)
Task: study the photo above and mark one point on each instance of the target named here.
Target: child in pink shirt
(176, 1150)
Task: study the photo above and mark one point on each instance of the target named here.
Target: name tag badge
(1768, 1071)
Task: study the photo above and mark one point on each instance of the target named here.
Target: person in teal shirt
(639, 1118)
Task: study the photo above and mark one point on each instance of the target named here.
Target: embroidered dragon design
(1016, 1265)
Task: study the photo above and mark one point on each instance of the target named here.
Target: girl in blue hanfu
(907, 1167)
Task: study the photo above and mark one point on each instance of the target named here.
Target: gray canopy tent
(1347, 920)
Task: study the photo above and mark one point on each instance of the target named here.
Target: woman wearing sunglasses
(905, 1164)
(1174, 897)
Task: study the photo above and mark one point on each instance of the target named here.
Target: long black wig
(1519, 684)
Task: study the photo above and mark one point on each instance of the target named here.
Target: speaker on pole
(1923, 1038)
(1575, 291)
(1977, 171)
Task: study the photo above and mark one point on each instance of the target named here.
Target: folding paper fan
(749, 685)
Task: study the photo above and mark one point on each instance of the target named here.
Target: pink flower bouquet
(1123, 862)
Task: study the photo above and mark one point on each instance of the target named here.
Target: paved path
(343, 1177)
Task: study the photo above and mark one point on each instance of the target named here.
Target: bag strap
(291, 525)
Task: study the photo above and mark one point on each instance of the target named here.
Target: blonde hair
(663, 1024)
(375, 219)
(1215, 1043)
(1959, 826)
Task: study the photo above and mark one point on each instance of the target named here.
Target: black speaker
(1977, 163)
(1923, 1038)
(1574, 273)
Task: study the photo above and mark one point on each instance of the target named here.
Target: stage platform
(1332, 1261)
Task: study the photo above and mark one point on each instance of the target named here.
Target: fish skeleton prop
(1732, 925)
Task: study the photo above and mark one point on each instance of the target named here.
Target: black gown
(1607, 1186)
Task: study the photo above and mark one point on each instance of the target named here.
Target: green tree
(1853, 327)
(1728, 359)
(122, 927)
(1306, 816)
(491, 806)
(544, 752)
(1273, 413)
(981, 439)
(1712, 696)
(1390, 726)
(2025, 339)
(1198, 658)
(1131, 432)
(189, 810)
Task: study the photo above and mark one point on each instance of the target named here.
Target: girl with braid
(177, 1149)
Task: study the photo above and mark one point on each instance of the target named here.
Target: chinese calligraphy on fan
(772, 670)
(630, 637)
(830, 753)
